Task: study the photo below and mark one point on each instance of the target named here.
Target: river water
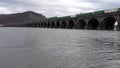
(59, 48)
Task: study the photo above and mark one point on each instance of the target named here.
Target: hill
(20, 18)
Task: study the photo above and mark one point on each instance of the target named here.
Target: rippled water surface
(59, 48)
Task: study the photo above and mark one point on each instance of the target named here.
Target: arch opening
(81, 24)
(52, 25)
(57, 24)
(109, 23)
(39, 25)
(70, 24)
(42, 24)
(63, 25)
(93, 24)
(48, 25)
(34, 25)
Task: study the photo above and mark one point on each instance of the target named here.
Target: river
(58, 48)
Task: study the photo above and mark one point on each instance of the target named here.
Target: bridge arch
(70, 24)
(93, 24)
(57, 24)
(34, 25)
(63, 24)
(52, 25)
(44, 24)
(48, 25)
(39, 25)
(108, 23)
(81, 24)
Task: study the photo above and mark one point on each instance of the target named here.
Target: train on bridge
(99, 20)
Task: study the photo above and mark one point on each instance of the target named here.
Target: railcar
(51, 19)
(87, 14)
(111, 10)
(84, 14)
(64, 17)
(78, 15)
(98, 12)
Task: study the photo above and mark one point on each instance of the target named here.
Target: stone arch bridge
(97, 21)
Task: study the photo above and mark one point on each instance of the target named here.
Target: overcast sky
(51, 8)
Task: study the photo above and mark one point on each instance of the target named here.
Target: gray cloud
(51, 8)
